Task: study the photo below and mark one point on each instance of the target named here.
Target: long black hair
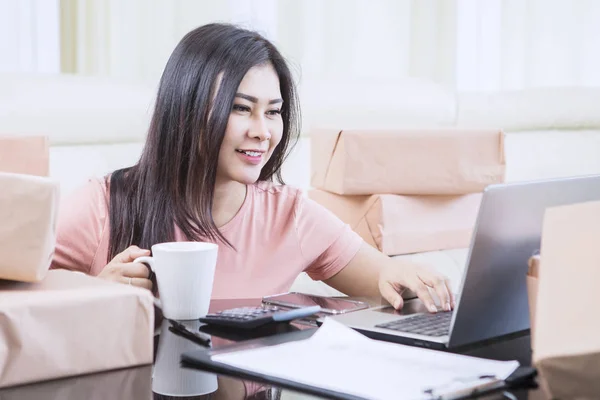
(173, 183)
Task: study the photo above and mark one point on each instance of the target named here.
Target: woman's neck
(227, 201)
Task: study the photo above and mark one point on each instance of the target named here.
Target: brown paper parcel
(532, 289)
(397, 224)
(24, 155)
(28, 211)
(567, 340)
(71, 324)
(408, 162)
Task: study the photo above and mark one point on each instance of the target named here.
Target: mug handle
(149, 261)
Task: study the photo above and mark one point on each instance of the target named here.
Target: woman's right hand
(122, 268)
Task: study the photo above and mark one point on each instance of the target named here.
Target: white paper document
(340, 359)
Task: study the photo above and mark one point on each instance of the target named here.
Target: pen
(182, 330)
(472, 387)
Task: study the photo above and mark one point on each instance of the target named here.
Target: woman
(225, 118)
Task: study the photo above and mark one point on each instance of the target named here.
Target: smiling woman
(225, 118)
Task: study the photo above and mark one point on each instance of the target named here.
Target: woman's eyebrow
(255, 100)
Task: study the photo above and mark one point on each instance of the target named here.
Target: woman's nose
(259, 129)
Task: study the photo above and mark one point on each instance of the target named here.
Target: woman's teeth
(250, 153)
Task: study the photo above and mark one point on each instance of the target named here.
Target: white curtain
(323, 39)
(516, 44)
(29, 36)
(464, 44)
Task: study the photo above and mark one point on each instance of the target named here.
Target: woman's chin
(247, 178)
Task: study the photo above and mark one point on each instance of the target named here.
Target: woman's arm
(373, 274)
(340, 258)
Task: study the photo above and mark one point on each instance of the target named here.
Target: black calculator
(253, 317)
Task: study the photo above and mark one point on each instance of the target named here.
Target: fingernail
(433, 308)
(448, 307)
(397, 304)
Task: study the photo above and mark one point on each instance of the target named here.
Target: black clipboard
(523, 377)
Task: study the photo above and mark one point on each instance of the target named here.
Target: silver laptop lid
(493, 295)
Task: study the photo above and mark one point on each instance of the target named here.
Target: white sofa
(97, 125)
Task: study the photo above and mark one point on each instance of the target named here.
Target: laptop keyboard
(437, 324)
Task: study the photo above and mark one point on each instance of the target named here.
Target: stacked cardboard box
(24, 155)
(28, 208)
(563, 294)
(56, 323)
(406, 191)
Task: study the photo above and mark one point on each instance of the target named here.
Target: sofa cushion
(531, 109)
(72, 166)
(544, 154)
(74, 109)
(368, 104)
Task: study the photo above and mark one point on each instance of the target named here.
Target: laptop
(492, 299)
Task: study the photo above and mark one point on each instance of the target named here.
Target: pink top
(278, 233)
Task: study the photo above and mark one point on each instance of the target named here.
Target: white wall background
(29, 36)
(516, 44)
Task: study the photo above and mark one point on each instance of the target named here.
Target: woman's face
(254, 128)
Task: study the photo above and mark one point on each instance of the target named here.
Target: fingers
(422, 292)
(136, 275)
(130, 254)
(440, 285)
(139, 282)
(419, 279)
(137, 270)
(452, 298)
(391, 295)
(443, 294)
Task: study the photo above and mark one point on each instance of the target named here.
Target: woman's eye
(274, 112)
(241, 108)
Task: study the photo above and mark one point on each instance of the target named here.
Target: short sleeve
(326, 242)
(82, 221)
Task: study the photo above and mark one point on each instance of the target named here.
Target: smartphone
(329, 305)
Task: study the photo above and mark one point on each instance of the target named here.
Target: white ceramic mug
(185, 273)
(169, 378)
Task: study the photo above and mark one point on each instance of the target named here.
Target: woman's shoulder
(88, 198)
(93, 187)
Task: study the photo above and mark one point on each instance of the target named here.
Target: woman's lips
(250, 156)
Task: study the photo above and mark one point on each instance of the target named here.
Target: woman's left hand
(393, 279)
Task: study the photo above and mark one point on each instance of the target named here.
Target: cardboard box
(71, 324)
(566, 346)
(532, 290)
(397, 224)
(25, 155)
(28, 211)
(446, 161)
